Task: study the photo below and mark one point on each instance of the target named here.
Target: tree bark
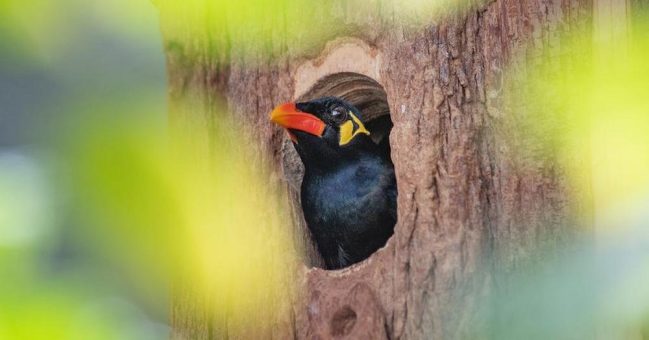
(469, 204)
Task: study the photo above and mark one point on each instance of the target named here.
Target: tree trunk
(469, 204)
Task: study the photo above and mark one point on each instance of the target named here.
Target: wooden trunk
(469, 204)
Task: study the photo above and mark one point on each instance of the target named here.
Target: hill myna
(348, 193)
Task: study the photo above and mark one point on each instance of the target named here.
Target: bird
(348, 192)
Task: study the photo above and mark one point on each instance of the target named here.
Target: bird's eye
(338, 112)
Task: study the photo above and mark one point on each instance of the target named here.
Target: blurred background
(67, 69)
(98, 214)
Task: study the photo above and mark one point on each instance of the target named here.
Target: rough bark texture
(469, 204)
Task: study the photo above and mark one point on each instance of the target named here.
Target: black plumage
(349, 190)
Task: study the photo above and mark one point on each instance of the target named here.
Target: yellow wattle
(347, 132)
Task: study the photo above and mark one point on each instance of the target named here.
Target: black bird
(349, 190)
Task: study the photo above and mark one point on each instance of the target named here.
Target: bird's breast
(341, 201)
(350, 211)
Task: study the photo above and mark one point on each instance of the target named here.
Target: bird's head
(323, 127)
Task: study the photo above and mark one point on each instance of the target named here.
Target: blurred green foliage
(63, 65)
(587, 115)
(255, 30)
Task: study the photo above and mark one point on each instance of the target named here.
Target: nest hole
(364, 93)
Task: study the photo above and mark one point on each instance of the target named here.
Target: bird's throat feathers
(324, 157)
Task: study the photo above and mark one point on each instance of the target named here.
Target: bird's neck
(332, 160)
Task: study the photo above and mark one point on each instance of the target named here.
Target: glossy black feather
(348, 192)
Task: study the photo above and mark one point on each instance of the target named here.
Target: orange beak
(289, 117)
